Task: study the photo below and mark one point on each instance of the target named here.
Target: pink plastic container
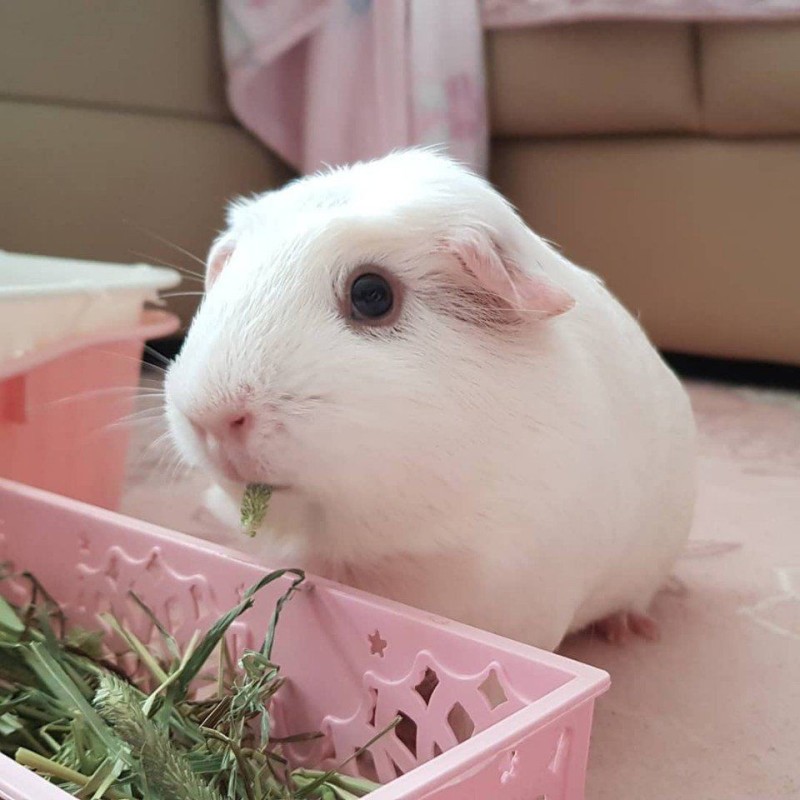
(59, 405)
(352, 660)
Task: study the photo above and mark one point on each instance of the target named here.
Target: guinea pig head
(345, 350)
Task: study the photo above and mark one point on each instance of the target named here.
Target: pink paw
(620, 627)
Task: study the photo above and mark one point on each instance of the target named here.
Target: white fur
(528, 481)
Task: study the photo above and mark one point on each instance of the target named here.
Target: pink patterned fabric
(335, 81)
(518, 13)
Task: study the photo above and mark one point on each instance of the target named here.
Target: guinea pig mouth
(230, 472)
(225, 470)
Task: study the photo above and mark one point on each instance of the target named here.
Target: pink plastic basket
(352, 660)
(59, 406)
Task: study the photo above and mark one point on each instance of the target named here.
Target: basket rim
(584, 684)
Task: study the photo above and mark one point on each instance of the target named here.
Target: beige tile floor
(712, 711)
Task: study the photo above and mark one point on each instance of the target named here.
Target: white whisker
(168, 242)
(123, 392)
(160, 356)
(131, 358)
(187, 273)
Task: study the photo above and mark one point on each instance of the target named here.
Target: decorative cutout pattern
(460, 723)
(430, 680)
(104, 586)
(558, 761)
(492, 690)
(441, 708)
(377, 645)
(508, 767)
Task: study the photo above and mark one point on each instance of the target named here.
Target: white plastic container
(44, 299)
(71, 340)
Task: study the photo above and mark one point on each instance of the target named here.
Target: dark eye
(371, 297)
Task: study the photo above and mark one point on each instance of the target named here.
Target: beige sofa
(664, 156)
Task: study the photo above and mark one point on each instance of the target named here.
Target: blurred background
(664, 155)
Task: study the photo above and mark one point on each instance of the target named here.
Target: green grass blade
(218, 630)
(11, 626)
(326, 776)
(58, 683)
(169, 639)
(269, 640)
(138, 647)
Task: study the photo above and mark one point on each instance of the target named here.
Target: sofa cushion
(751, 78)
(89, 183)
(592, 78)
(697, 235)
(158, 55)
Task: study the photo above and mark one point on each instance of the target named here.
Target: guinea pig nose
(239, 424)
(222, 425)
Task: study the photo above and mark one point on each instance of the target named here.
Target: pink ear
(497, 273)
(217, 259)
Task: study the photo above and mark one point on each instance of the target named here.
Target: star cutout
(376, 644)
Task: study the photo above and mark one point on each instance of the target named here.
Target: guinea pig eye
(371, 298)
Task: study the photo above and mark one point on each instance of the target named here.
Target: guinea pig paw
(618, 628)
(644, 626)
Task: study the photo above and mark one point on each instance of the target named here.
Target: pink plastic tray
(59, 406)
(352, 659)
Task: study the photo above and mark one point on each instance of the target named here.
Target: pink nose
(224, 425)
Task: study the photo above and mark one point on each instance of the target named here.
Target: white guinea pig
(451, 414)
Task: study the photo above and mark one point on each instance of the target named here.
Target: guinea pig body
(502, 446)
